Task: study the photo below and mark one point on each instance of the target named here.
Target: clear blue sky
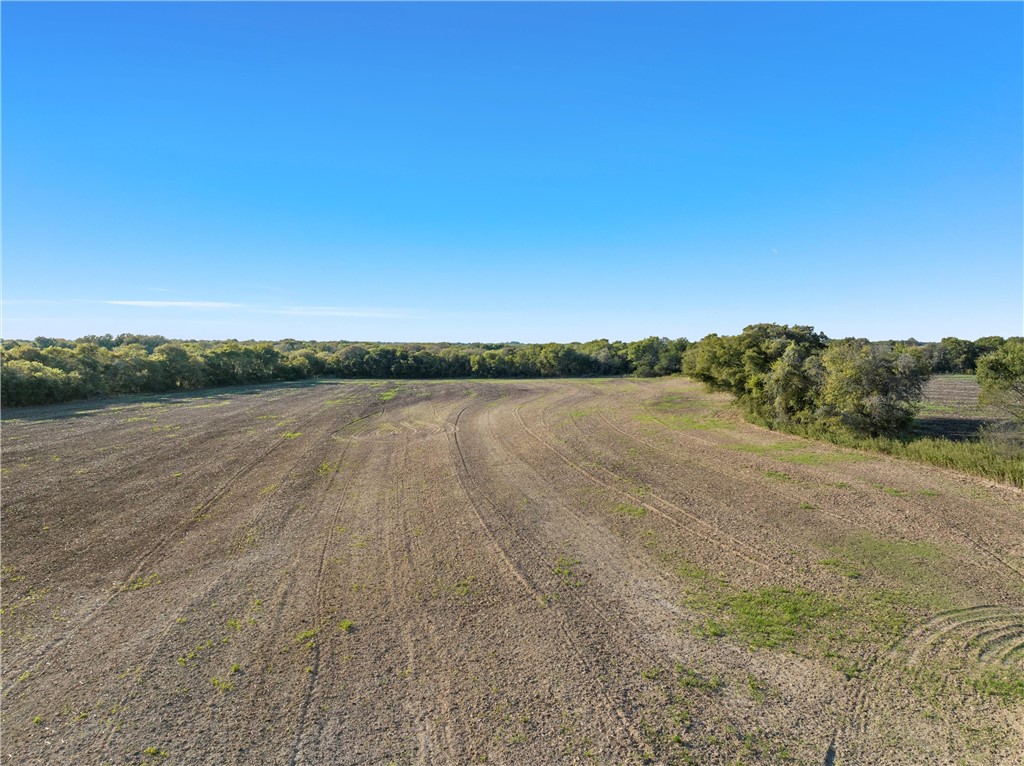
(527, 172)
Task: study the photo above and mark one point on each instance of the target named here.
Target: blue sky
(531, 172)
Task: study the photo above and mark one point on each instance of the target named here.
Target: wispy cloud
(178, 304)
(350, 312)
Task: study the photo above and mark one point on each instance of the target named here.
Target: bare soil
(519, 572)
(950, 408)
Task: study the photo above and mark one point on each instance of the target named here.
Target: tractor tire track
(712, 534)
(570, 641)
(321, 609)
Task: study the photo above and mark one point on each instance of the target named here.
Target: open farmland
(520, 572)
(951, 410)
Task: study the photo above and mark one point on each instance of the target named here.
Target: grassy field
(520, 572)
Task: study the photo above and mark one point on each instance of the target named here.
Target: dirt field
(530, 572)
(950, 408)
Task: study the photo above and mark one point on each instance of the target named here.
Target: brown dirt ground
(520, 572)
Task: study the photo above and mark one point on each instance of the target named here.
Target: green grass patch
(799, 454)
(884, 613)
(767, 617)
(291, 434)
(565, 568)
(682, 413)
(778, 475)
(918, 571)
(833, 627)
(688, 678)
(681, 422)
(1003, 684)
(891, 490)
(690, 571)
(889, 556)
(307, 637)
(758, 690)
(934, 408)
(673, 401)
(843, 567)
(455, 588)
(142, 582)
(625, 509)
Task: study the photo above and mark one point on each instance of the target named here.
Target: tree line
(50, 370)
(783, 376)
(951, 355)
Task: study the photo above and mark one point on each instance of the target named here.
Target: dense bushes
(1001, 375)
(29, 382)
(54, 370)
(767, 368)
(792, 377)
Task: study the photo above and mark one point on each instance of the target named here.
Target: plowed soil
(517, 572)
(951, 410)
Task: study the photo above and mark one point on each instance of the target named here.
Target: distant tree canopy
(952, 355)
(49, 370)
(793, 377)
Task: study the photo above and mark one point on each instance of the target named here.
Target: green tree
(717, 362)
(178, 367)
(761, 367)
(129, 370)
(868, 390)
(792, 384)
(1001, 376)
(957, 355)
(644, 356)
